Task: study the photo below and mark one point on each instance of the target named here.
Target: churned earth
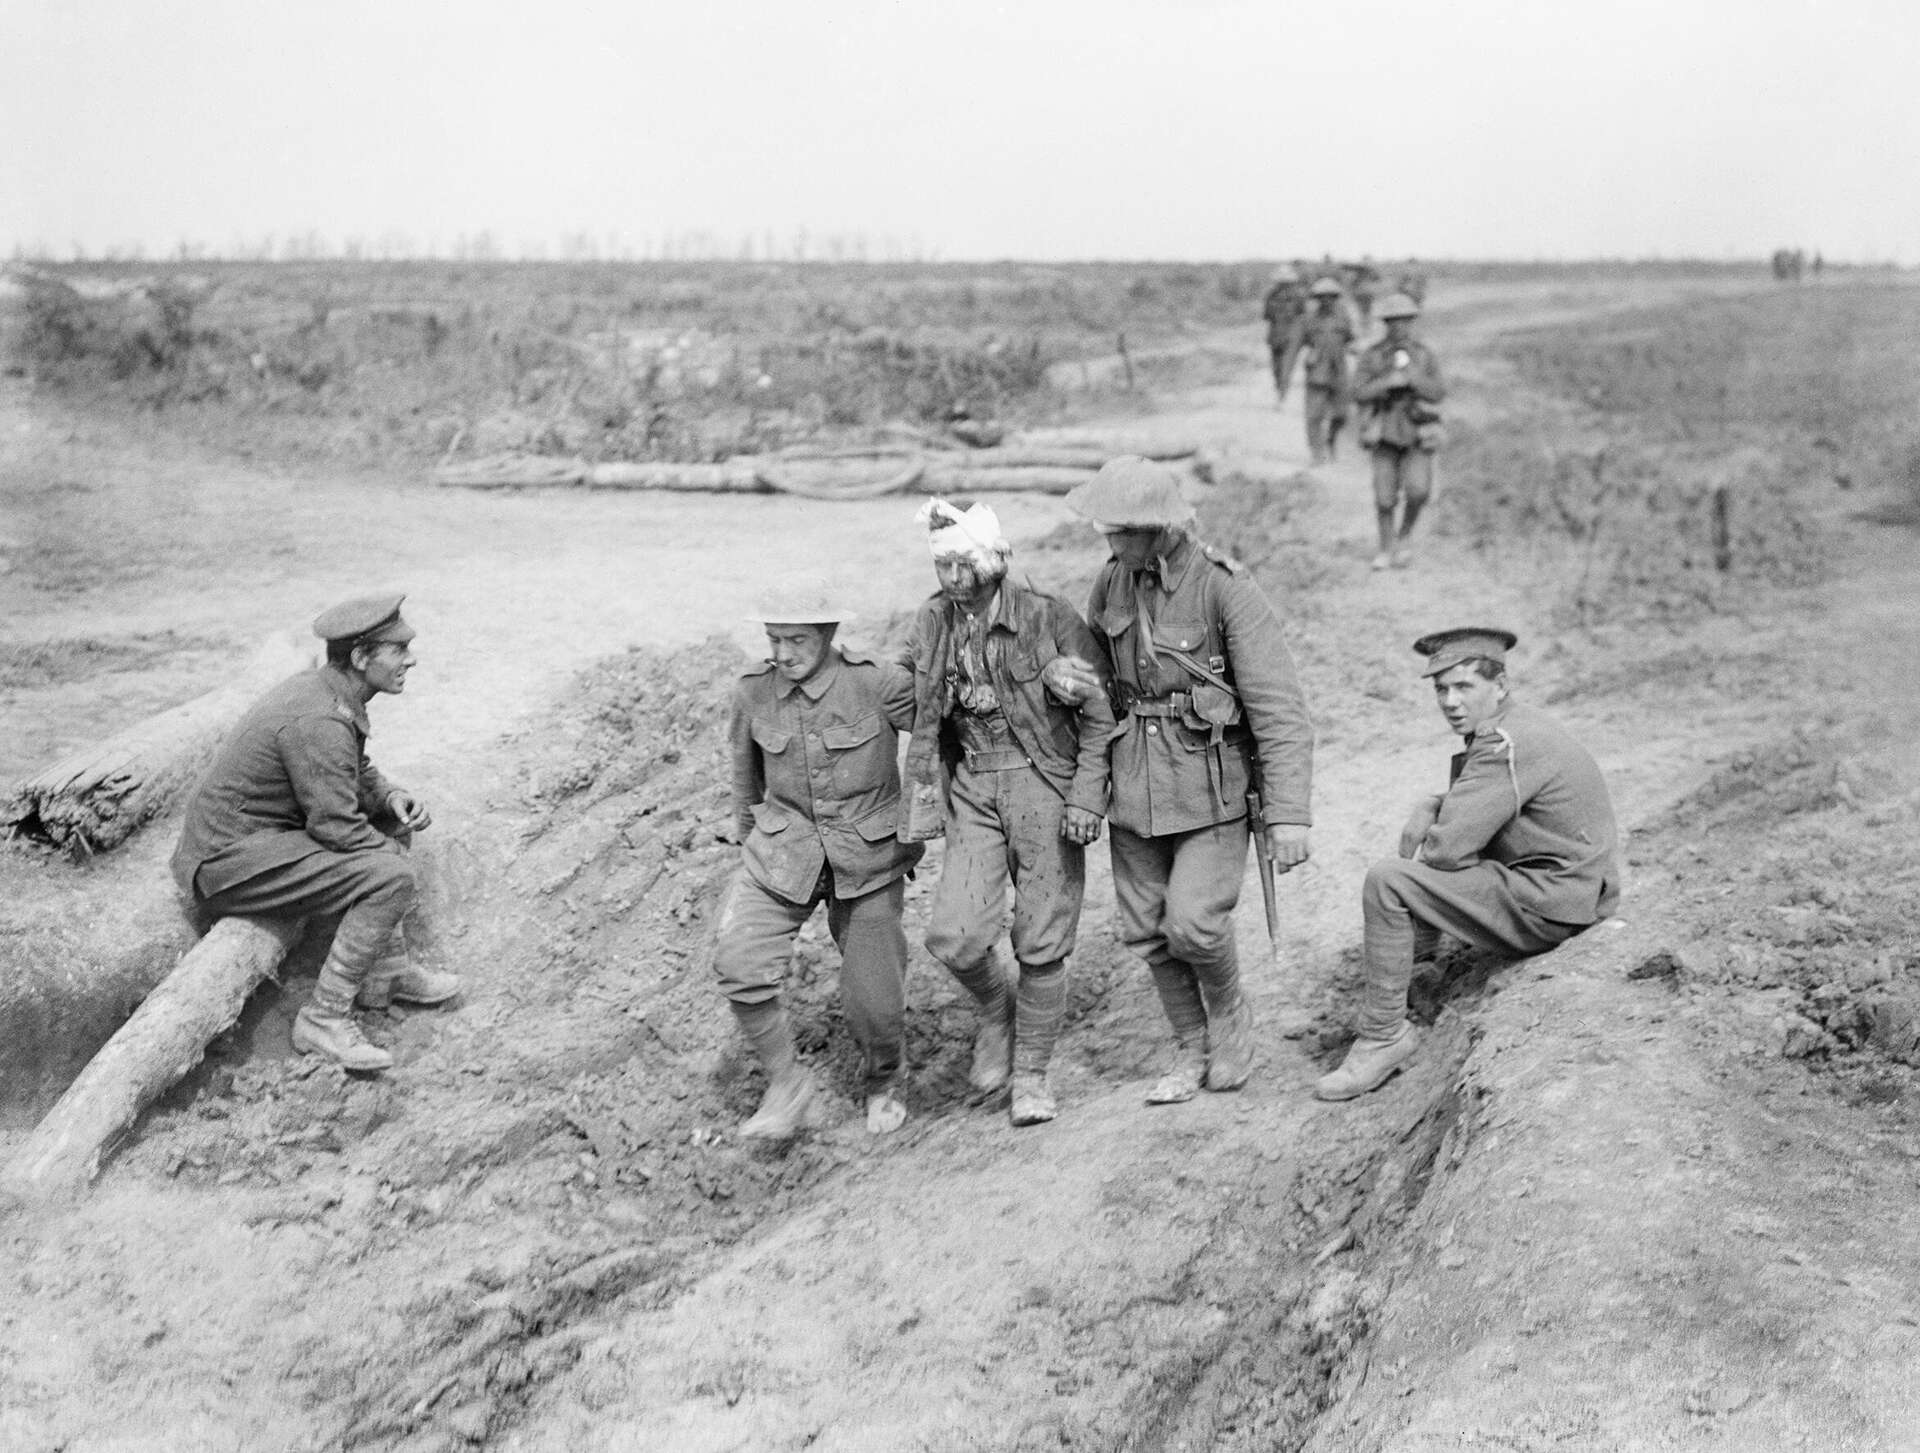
(1651, 1191)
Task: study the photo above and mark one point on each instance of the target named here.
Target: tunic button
(813, 736)
(1152, 730)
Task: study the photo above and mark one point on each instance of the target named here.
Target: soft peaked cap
(1446, 649)
(364, 620)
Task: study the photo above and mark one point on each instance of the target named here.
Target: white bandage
(973, 532)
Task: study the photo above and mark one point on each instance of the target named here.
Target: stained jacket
(1329, 336)
(292, 779)
(814, 775)
(1026, 628)
(1525, 794)
(1285, 306)
(1169, 775)
(1396, 411)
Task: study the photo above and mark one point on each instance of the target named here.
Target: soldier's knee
(956, 944)
(388, 876)
(1196, 937)
(1384, 882)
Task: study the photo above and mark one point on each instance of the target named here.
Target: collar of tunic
(349, 699)
(815, 686)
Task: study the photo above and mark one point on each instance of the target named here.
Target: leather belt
(996, 759)
(1174, 705)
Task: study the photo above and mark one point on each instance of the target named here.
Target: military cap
(1326, 287)
(1130, 493)
(799, 600)
(1446, 649)
(1397, 305)
(364, 620)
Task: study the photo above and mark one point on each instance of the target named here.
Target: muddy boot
(1369, 1064)
(885, 1113)
(1033, 1102)
(1231, 1050)
(993, 1006)
(396, 979)
(1181, 1082)
(792, 1101)
(326, 1025)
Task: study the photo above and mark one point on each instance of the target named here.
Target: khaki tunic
(815, 781)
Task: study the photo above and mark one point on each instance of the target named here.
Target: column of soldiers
(1170, 715)
(1394, 383)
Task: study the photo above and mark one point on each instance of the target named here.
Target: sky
(962, 129)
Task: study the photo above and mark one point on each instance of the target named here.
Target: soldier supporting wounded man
(293, 820)
(1015, 775)
(1208, 707)
(816, 802)
(1519, 854)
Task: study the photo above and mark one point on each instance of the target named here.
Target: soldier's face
(1398, 330)
(1466, 698)
(1134, 547)
(962, 580)
(387, 664)
(798, 651)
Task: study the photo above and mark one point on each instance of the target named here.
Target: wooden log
(1109, 443)
(734, 476)
(98, 797)
(511, 471)
(164, 1039)
(841, 478)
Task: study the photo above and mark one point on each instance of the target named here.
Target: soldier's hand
(1077, 825)
(1287, 846)
(409, 811)
(1418, 825)
(1071, 679)
(732, 832)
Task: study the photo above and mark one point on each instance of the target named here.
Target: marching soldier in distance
(1285, 310)
(1398, 387)
(1329, 338)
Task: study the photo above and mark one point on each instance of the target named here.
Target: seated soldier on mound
(292, 819)
(1517, 855)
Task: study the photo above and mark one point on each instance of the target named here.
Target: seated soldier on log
(292, 819)
(1519, 854)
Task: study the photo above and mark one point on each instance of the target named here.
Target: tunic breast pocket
(1188, 636)
(861, 761)
(1023, 666)
(770, 738)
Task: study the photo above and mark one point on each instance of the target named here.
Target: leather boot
(993, 1007)
(1230, 1042)
(326, 1025)
(1181, 1082)
(792, 1101)
(885, 1112)
(397, 979)
(1369, 1064)
(1032, 1102)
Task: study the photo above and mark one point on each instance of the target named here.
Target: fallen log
(164, 1039)
(735, 476)
(1108, 444)
(98, 797)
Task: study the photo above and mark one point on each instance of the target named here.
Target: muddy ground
(1651, 1191)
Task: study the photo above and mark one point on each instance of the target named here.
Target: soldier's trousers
(1283, 355)
(371, 890)
(1004, 830)
(1401, 474)
(1404, 901)
(1326, 415)
(755, 944)
(1176, 894)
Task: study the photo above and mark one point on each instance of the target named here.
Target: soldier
(1397, 382)
(816, 803)
(1213, 741)
(292, 819)
(1329, 336)
(1517, 855)
(1413, 281)
(1028, 775)
(1363, 281)
(1285, 310)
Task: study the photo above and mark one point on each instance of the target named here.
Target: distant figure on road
(1285, 310)
(1518, 854)
(1413, 281)
(1398, 386)
(816, 800)
(1213, 744)
(1015, 775)
(292, 819)
(1329, 339)
(1363, 281)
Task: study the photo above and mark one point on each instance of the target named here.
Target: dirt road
(1597, 1212)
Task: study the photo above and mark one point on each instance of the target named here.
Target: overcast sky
(965, 129)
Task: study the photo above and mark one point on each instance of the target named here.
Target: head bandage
(973, 532)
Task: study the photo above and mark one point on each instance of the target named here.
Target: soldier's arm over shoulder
(749, 780)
